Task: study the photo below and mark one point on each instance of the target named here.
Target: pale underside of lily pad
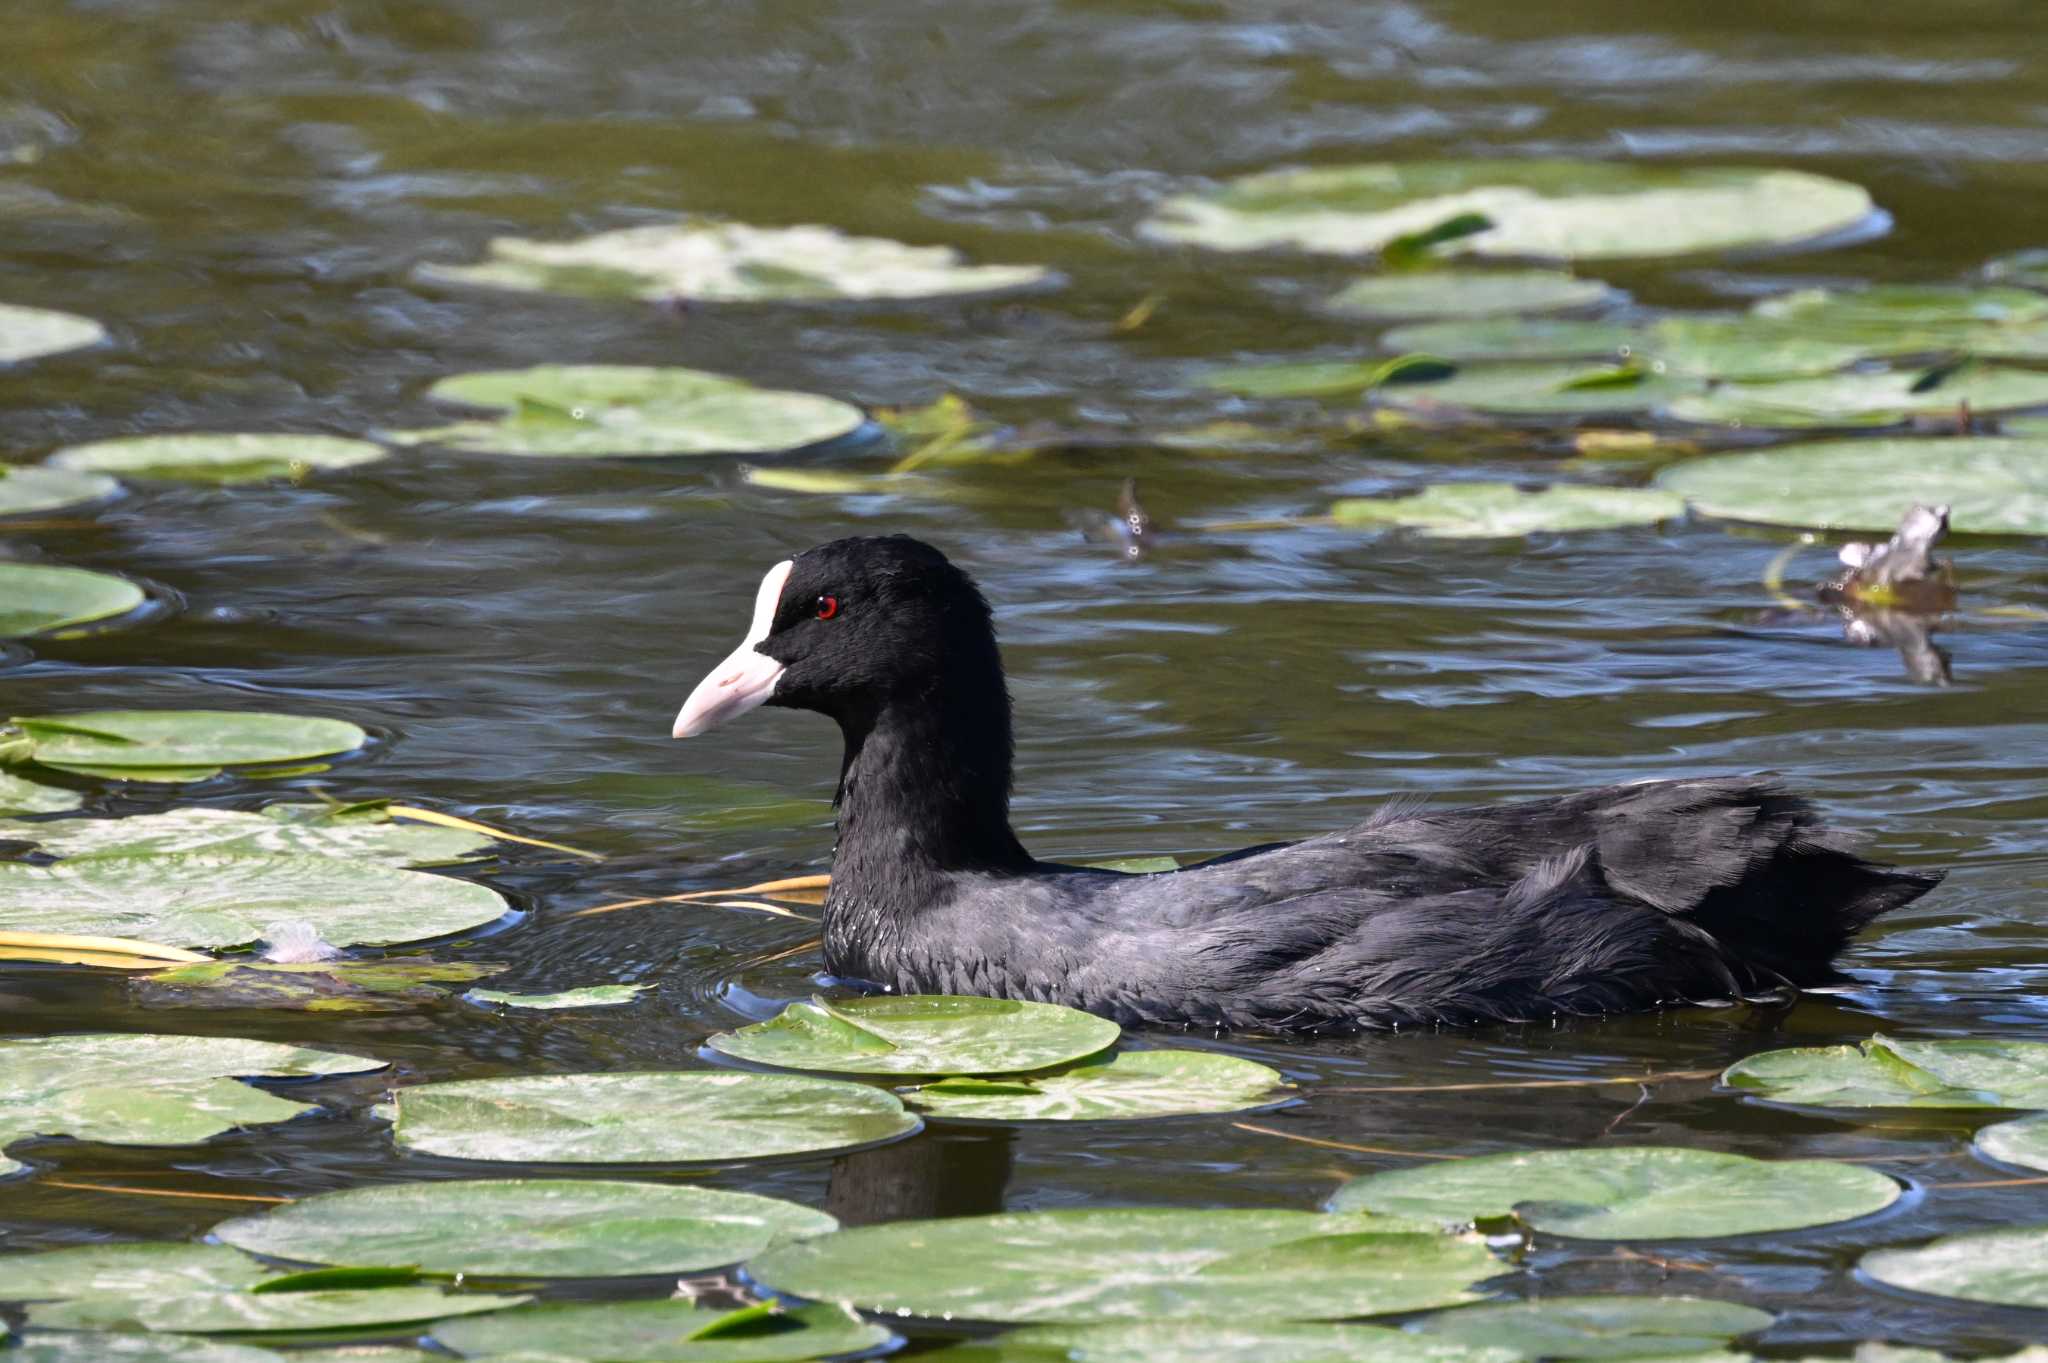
(1131, 1084)
(294, 829)
(36, 598)
(920, 1034)
(25, 490)
(1504, 510)
(1991, 485)
(31, 333)
(217, 457)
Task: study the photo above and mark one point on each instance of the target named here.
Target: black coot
(1614, 900)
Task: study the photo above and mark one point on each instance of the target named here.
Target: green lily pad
(37, 597)
(1322, 378)
(276, 1313)
(2006, 1267)
(2024, 1142)
(1923, 310)
(590, 996)
(1518, 338)
(1552, 210)
(597, 411)
(380, 986)
(1468, 293)
(1217, 1341)
(127, 1270)
(1889, 1072)
(1126, 1085)
(216, 900)
(1627, 1192)
(2028, 269)
(705, 260)
(1138, 866)
(1991, 486)
(1748, 348)
(659, 1117)
(1865, 399)
(24, 490)
(1503, 510)
(124, 1089)
(1133, 1263)
(122, 1348)
(1600, 1327)
(201, 741)
(664, 1332)
(920, 1034)
(217, 457)
(1541, 389)
(351, 832)
(31, 333)
(550, 1228)
(19, 795)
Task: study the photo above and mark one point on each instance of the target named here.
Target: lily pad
(2006, 1267)
(127, 1270)
(216, 900)
(1133, 1263)
(217, 457)
(35, 598)
(31, 333)
(1323, 378)
(659, 1117)
(1924, 312)
(920, 1034)
(124, 1089)
(706, 260)
(1553, 210)
(349, 832)
(550, 1228)
(590, 996)
(1889, 1072)
(1546, 389)
(269, 1313)
(1127, 1085)
(342, 986)
(1218, 1341)
(1468, 293)
(1627, 1192)
(664, 1332)
(152, 742)
(19, 795)
(1518, 338)
(96, 1347)
(1865, 399)
(24, 490)
(1749, 348)
(1991, 485)
(2024, 1142)
(1600, 1327)
(1503, 510)
(597, 411)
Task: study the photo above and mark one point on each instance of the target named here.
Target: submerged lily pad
(1991, 485)
(597, 411)
(920, 1034)
(1889, 1072)
(706, 260)
(127, 1271)
(125, 1089)
(1599, 1327)
(19, 795)
(2024, 1142)
(341, 986)
(221, 457)
(1627, 1192)
(38, 597)
(94, 1347)
(160, 744)
(1218, 1341)
(590, 996)
(646, 1118)
(663, 1332)
(1133, 1263)
(551, 1228)
(1503, 510)
(33, 488)
(1865, 399)
(1467, 293)
(1556, 210)
(31, 333)
(2006, 1267)
(1127, 1085)
(352, 832)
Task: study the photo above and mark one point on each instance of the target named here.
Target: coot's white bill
(746, 678)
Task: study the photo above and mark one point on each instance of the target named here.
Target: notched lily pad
(1131, 1084)
(28, 489)
(1890, 1072)
(36, 598)
(31, 333)
(217, 457)
(920, 1034)
(2007, 1267)
(663, 1332)
(1599, 1327)
(1468, 293)
(352, 832)
(1504, 510)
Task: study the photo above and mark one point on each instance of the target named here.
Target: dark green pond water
(240, 191)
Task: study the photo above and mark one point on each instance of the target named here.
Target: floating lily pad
(664, 1332)
(1530, 390)
(2024, 1142)
(1555, 210)
(1127, 1085)
(1627, 1192)
(154, 742)
(218, 457)
(2007, 1267)
(33, 488)
(127, 1271)
(1748, 348)
(120, 1348)
(125, 1089)
(1518, 338)
(705, 260)
(1889, 1072)
(37, 597)
(1600, 1327)
(550, 1228)
(1924, 311)
(1468, 293)
(19, 795)
(596, 411)
(31, 333)
(1133, 1263)
(1218, 1341)
(2028, 268)
(590, 996)
(647, 1118)
(343, 986)
(920, 1034)
(1503, 510)
(1991, 486)
(351, 832)
(276, 1313)
(1865, 399)
(215, 900)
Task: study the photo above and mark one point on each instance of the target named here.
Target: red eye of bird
(828, 606)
